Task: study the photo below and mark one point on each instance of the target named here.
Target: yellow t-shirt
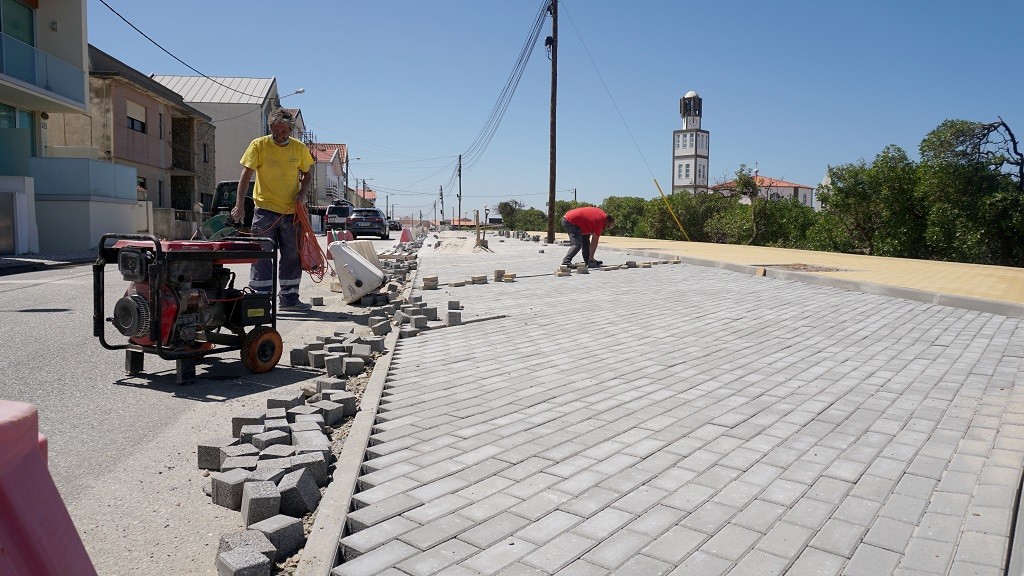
(277, 172)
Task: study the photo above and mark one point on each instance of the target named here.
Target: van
(224, 200)
(337, 215)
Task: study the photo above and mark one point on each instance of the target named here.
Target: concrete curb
(320, 554)
(1009, 309)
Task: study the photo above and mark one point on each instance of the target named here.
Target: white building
(773, 189)
(690, 148)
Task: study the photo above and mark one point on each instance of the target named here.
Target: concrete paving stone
(559, 552)
(277, 451)
(262, 441)
(873, 488)
(497, 556)
(590, 502)
(227, 488)
(237, 450)
(380, 511)
(436, 559)
(490, 506)
(239, 463)
(989, 519)
(433, 533)
(266, 475)
(910, 509)
(248, 431)
(279, 424)
(615, 549)
(376, 561)
(312, 416)
(247, 539)
(814, 562)
(785, 540)
(243, 561)
(490, 531)
(733, 542)
(927, 556)
(540, 504)
(304, 426)
(982, 549)
(839, 537)
(871, 561)
(702, 564)
(332, 412)
(548, 527)
(209, 451)
(260, 500)
(299, 493)
(376, 494)
(286, 400)
(604, 523)
(284, 532)
(809, 513)
(358, 543)
(761, 563)
(254, 417)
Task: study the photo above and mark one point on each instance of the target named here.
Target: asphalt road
(122, 450)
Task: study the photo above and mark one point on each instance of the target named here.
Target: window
(16, 21)
(136, 117)
(691, 139)
(679, 141)
(206, 156)
(161, 125)
(687, 175)
(679, 171)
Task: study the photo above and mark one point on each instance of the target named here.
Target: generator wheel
(261, 349)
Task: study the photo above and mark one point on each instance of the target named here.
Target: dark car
(395, 225)
(337, 215)
(368, 222)
(224, 200)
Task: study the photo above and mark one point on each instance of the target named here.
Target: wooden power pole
(552, 42)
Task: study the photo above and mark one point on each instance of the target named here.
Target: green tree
(904, 212)
(508, 210)
(849, 198)
(628, 212)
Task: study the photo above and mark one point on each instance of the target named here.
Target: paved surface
(686, 419)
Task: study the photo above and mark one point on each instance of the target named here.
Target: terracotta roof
(323, 152)
(367, 194)
(762, 182)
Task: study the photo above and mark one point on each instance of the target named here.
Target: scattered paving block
(334, 364)
(381, 328)
(244, 561)
(247, 539)
(336, 349)
(315, 463)
(260, 500)
(294, 412)
(368, 300)
(248, 431)
(227, 488)
(316, 300)
(454, 317)
(284, 532)
(266, 474)
(298, 357)
(208, 453)
(274, 414)
(244, 420)
(239, 462)
(237, 450)
(431, 313)
(345, 398)
(314, 346)
(261, 441)
(299, 493)
(418, 321)
(332, 412)
(324, 383)
(306, 427)
(275, 464)
(376, 343)
(315, 417)
(276, 424)
(316, 358)
(454, 305)
(400, 318)
(353, 366)
(362, 350)
(343, 330)
(374, 318)
(285, 400)
(277, 451)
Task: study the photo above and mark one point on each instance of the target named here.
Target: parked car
(368, 222)
(224, 200)
(395, 225)
(337, 215)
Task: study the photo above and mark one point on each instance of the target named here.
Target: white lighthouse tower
(690, 148)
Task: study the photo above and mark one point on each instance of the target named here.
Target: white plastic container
(356, 275)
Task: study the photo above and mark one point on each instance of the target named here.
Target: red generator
(182, 304)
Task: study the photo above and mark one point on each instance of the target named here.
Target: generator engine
(181, 302)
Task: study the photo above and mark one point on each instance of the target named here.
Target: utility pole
(387, 202)
(552, 42)
(440, 192)
(459, 194)
(435, 213)
(573, 194)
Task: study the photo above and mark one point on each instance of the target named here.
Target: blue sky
(794, 86)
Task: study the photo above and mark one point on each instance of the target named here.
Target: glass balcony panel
(23, 62)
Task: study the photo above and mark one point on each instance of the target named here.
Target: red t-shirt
(590, 219)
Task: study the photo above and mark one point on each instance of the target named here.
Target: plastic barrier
(406, 236)
(37, 536)
(356, 276)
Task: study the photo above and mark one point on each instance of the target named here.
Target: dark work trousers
(577, 240)
(281, 229)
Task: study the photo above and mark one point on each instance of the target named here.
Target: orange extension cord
(314, 260)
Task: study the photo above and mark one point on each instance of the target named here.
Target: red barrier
(330, 235)
(347, 235)
(37, 535)
(406, 236)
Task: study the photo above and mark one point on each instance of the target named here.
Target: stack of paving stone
(271, 469)
(410, 315)
(276, 460)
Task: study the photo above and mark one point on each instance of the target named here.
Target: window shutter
(136, 111)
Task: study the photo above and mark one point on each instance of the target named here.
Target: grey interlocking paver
(688, 426)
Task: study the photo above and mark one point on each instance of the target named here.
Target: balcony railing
(23, 62)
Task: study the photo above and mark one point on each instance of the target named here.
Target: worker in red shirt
(582, 223)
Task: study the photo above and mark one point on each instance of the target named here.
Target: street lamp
(278, 99)
(487, 210)
(347, 160)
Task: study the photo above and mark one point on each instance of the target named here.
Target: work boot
(594, 264)
(298, 306)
